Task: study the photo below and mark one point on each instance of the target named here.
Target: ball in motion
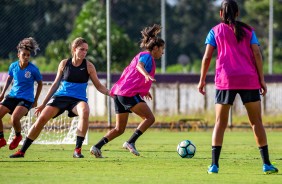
(186, 149)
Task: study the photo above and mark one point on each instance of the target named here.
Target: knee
(119, 131)
(42, 120)
(84, 113)
(151, 119)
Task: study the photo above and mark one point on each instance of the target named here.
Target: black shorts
(64, 103)
(228, 96)
(11, 103)
(124, 104)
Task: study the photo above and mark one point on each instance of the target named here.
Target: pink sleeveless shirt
(235, 63)
(132, 82)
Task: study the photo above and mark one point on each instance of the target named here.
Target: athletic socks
(135, 136)
(264, 154)
(102, 142)
(215, 155)
(26, 144)
(1, 135)
(79, 141)
(18, 134)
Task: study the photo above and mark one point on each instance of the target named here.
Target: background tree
(54, 23)
(44, 20)
(91, 25)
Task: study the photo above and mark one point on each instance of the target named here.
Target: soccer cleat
(77, 153)
(213, 169)
(2, 142)
(96, 152)
(269, 169)
(131, 148)
(15, 142)
(18, 154)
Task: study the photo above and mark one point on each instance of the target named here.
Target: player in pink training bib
(238, 71)
(129, 90)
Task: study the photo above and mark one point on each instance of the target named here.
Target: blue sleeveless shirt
(74, 81)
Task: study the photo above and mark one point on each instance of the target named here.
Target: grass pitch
(159, 162)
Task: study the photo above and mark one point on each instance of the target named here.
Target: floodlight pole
(163, 33)
(270, 38)
(108, 10)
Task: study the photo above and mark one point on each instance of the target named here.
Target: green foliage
(91, 25)
(57, 50)
(4, 64)
(46, 66)
(178, 68)
(54, 24)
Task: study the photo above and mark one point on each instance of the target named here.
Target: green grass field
(159, 163)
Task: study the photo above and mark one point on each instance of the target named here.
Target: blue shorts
(11, 103)
(228, 96)
(124, 104)
(64, 103)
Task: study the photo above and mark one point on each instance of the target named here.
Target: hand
(39, 109)
(148, 78)
(201, 87)
(263, 89)
(149, 96)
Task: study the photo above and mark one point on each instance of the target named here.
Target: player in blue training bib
(67, 93)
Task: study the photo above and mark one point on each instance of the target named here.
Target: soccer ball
(186, 149)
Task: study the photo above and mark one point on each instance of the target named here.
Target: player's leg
(143, 111)
(222, 112)
(18, 113)
(3, 111)
(223, 99)
(47, 113)
(121, 121)
(82, 110)
(254, 113)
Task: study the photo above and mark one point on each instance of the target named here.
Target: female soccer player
(68, 92)
(21, 96)
(129, 90)
(238, 70)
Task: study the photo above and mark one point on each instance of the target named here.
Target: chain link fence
(55, 23)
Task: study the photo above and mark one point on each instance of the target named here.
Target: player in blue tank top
(68, 92)
(21, 97)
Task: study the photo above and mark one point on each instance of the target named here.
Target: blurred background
(55, 23)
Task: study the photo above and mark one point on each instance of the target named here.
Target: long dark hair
(150, 38)
(230, 10)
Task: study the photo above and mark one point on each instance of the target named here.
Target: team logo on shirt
(27, 74)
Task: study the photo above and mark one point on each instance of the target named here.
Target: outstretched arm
(141, 69)
(53, 87)
(94, 78)
(38, 91)
(204, 68)
(7, 84)
(259, 66)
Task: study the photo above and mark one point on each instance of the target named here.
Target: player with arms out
(68, 92)
(238, 70)
(128, 92)
(21, 96)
